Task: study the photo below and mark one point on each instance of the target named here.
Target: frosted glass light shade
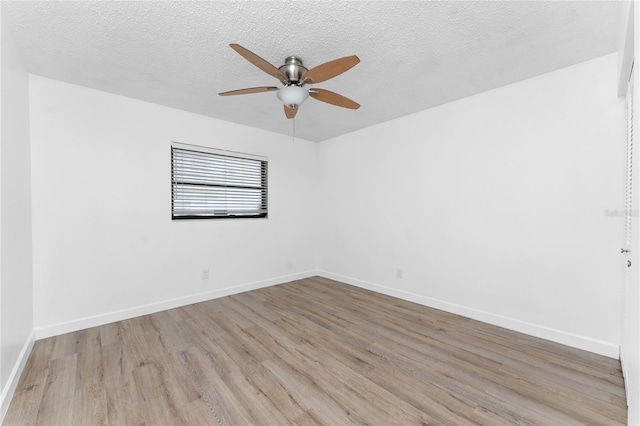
(293, 96)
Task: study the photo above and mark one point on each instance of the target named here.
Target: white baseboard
(570, 339)
(566, 338)
(12, 382)
(109, 317)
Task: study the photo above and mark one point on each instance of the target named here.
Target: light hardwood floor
(313, 351)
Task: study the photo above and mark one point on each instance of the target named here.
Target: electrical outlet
(205, 274)
(399, 273)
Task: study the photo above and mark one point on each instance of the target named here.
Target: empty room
(319, 212)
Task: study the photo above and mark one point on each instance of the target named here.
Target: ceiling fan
(294, 76)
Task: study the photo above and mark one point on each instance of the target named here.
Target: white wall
(16, 304)
(492, 206)
(105, 247)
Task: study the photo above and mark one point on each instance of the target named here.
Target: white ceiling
(414, 55)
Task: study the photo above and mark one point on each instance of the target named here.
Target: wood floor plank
(120, 390)
(58, 398)
(109, 333)
(90, 405)
(89, 349)
(32, 383)
(30, 397)
(204, 323)
(312, 352)
(64, 345)
(156, 402)
(308, 394)
(223, 405)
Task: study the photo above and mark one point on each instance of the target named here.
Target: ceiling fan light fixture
(293, 96)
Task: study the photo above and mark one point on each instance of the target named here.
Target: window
(212, 184)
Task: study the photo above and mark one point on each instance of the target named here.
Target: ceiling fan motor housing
(293, 69)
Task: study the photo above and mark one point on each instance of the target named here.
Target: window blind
(208, 185)
(628, 199)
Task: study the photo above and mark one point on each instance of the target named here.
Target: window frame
(261, 213)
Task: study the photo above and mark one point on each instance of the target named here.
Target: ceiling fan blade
(249, 90)
(290, 112)
(329, 69)
(259, 62)
(333, 98)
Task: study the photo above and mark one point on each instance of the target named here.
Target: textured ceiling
(414, 55)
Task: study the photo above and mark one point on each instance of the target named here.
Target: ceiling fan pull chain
(294, 130)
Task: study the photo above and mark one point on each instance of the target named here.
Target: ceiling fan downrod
(293, 69)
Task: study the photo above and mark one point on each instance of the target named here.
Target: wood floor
(313, 351)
